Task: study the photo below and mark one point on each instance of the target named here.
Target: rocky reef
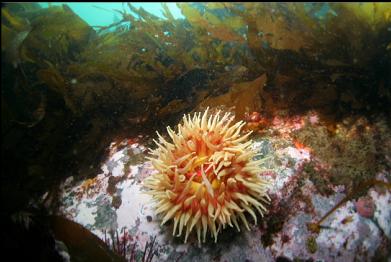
(115, 206)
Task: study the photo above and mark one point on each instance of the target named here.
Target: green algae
(311, 245)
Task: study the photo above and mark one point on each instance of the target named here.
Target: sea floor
(114, 207)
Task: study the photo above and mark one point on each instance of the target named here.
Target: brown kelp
(67, 89)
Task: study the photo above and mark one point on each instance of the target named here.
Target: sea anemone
(207, 176)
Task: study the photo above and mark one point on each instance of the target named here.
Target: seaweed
(81, 243)
(68, 88)
(355, 150)
(211, 39)
(122, 246)
(311, 244)
(358, 191)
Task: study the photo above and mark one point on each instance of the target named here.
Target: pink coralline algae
(253, 117)
(313, 119)
(365, 207)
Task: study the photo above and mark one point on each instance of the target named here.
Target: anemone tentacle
(207, 176)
